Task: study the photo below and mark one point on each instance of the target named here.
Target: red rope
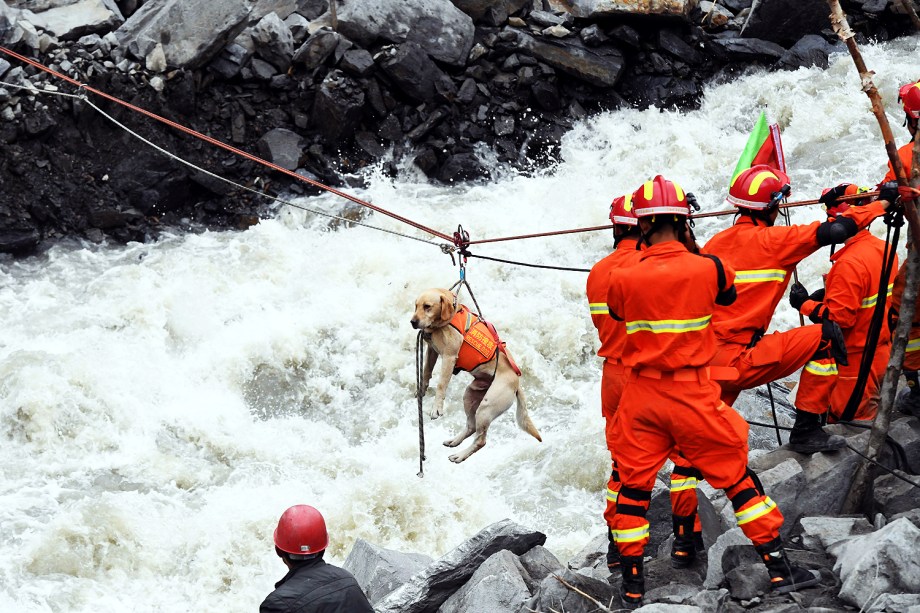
(227, 147)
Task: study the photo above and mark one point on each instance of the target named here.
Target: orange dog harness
(480, 341)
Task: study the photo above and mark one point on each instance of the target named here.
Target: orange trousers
(827, 386)
(775, 356)
(684, 478)
(656, 416)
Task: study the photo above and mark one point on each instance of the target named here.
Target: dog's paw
(456, 458)
(435, 413)
(451, 443)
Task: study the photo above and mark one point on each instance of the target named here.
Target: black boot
(784, 575)
(809, 437)
(909, 399)
(613, 554)
(683, 549)
(633, 586)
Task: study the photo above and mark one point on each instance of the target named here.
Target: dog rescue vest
(480, 341)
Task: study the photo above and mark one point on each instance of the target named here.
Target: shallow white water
(162, 404)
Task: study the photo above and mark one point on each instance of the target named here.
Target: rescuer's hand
(830, 331)
(830, 197)
(797, 295)
(889, 192)
(817, 295)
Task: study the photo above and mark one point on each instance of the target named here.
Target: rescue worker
(849, 298)
(311, 585)
(612, 336)
(908, 399)
(666, 302)
(764, 255)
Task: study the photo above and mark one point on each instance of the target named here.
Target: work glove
(817, 295)
(829, 198)
(889, 191)
(908, 193)
(831, 332)
(797, 295)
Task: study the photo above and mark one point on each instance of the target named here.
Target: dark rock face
(430, 80)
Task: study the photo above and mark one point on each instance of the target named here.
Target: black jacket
(317, 587)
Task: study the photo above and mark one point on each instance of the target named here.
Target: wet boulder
(437, 26)
(281, 147)
(600, 67)
(747, 49)
(273, 41)
(412, 71)
(72, 21)
(810, 50)
(428, 589)
(337, 108)
(379, 571)
(882, 562)
(478, 8)
(785, 21)
(317, 49)
(540, 563)
(192, 33)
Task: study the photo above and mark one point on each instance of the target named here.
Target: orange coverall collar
(665, 248)
(857, 238)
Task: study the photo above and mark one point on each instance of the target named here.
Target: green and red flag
(764, 146)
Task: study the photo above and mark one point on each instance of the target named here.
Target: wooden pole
(889, 387)
(882, 421)
(335, 17)
(842, 29)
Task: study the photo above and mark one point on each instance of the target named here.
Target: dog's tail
(523, 417)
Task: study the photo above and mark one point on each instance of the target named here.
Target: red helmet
(622, 211)
(301, 531)
(660, 197)
(830, 197)
(909, 95)
(755, 187)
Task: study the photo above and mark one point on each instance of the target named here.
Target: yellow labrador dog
(464, 342)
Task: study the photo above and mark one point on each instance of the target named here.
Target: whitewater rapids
(162, 404)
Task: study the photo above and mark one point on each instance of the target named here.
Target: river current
(161, 404)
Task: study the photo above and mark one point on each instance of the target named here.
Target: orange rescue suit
(763, 258)
(612, 334)
(852, 291)
(666, 302)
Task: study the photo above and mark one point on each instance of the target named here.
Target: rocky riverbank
(326, 90)
(864, 566)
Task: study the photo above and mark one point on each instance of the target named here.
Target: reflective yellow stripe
(680, 485)
(821, 369)
(611, 495)
(755, 512)
(673, 326)
(871, 300)
(599, 308)
(630, 536)
(760, 276)
(913, 345)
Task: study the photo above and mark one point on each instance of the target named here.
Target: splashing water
(162, 404)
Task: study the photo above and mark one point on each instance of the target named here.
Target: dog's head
(434, 308)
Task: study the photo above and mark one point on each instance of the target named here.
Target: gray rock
(540, 563)
(338, 106)
(231, 60)
(896, 602)
(601, 67)
(412, 71)
(77, 19)
(440, 28)
(730, 549)
(810, 50)
(906, 432)
(669, 608)
(427, 590)
(281, 147)
(195, 31)
(710, 601)
(749, 49)
(591, 554)
(318, 48)
(893, 495)
(460, 167)
(672, 593)
(784, 483)
(882, 562)
(273, 41)
(545, 18)
(715, 15)
(593, 36)
(261, 69)
(281, 8)
(913, 516)
(4, 66)
(748, 581)
(785, 21)
(477, 9)
(553, 595)
(299, 26)
(357, 62)
(379, 571)
(671, 42)
(497, 586)
(311, 9)
(822, 532)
